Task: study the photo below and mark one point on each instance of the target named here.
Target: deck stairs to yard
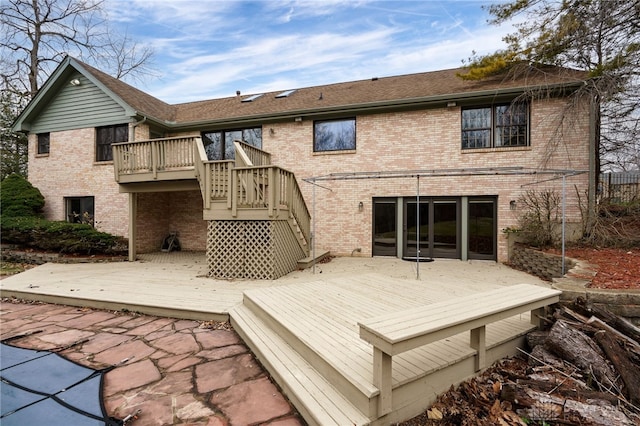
(307, 337)
(246, 199)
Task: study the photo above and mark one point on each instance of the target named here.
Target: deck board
(322, 311)
(324, 316)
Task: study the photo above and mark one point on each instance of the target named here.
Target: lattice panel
(287, 249)
(258, 249)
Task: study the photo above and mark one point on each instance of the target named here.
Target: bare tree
(13, 146)
(36, 36)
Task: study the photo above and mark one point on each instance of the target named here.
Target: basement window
(79, 209)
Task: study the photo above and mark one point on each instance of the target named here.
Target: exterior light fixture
(512, 205)
(75, 82)
(360, 206)
(451, 104)
(298, 119)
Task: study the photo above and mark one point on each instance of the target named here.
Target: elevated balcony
(248, 188)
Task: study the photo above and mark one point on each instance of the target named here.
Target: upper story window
(495, 126)
(334, 135)
(219, 144)
(107, 135)
(43, 143)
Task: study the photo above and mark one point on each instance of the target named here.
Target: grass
(10, 268)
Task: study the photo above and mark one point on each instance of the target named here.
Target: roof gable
(128, 99)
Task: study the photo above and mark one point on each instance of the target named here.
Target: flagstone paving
(176, 372)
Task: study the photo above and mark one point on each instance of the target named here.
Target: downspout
(594, 161)
(132, 128)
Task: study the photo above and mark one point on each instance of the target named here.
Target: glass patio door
(385, 235)
(482, 229)
(438, 230)
(445, 229)
(416, 235)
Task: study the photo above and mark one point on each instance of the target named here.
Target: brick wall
(422, 140)
(70, 170)
(415, 140)
(160, 213)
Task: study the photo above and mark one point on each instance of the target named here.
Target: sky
(207, 49)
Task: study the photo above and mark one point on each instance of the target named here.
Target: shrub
(62, 237)
(19, 198)
(539, 224)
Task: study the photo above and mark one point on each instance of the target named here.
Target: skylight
(252, 97)
(285, 94)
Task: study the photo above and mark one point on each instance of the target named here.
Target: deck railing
(214, 176)
(256, 185)
(153, 155)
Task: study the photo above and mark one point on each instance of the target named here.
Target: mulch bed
(616, 268)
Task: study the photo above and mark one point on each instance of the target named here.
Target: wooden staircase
(250, 188)
(248, 201)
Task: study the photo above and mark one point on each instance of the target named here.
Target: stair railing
(214, 176)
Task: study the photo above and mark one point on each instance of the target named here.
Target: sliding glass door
(416, 229)
(437, 231)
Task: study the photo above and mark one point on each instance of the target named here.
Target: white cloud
(211, 49)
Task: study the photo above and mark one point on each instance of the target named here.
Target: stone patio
(177, 372)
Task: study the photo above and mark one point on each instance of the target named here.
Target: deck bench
(398, 332)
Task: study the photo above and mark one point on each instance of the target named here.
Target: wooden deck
(317, 322)
(303, 327)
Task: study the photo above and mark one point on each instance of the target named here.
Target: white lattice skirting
(251, 249)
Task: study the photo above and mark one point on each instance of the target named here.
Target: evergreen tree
(13, 146)
(601, 37)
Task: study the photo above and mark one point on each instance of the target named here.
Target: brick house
(355, 165)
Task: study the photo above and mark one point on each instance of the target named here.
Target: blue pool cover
(43, 388)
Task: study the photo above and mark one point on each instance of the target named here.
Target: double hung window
(495, 126)
(107, 135)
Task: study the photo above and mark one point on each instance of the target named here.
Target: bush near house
(19, 198)
(21, 223)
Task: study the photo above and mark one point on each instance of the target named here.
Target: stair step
(310, 261)
(312, 395)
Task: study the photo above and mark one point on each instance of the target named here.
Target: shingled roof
(141, 101)
(375, 93)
